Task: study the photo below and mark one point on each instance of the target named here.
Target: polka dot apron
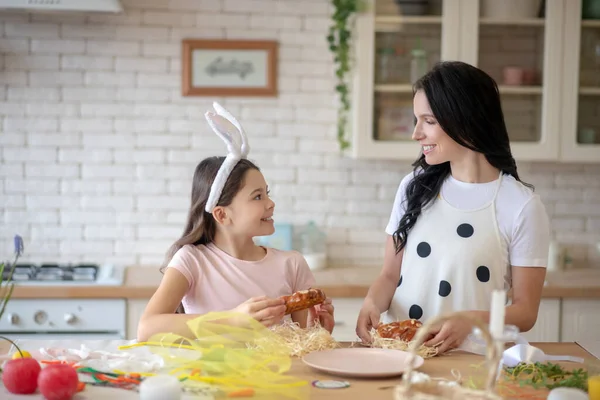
(452, 261)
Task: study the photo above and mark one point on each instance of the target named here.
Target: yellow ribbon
(221, 356)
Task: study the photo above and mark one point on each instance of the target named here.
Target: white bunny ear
(239, 131)
(232, 133)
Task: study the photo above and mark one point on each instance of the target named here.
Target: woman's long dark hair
(200, 226)
(466, 104)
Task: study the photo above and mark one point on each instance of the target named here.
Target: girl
(215, 265)
(463, 223)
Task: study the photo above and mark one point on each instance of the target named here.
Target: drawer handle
(339, 323)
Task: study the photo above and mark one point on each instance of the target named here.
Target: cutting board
(592, 346)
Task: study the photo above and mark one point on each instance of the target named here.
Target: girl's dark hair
(466, 104)
(201, 226)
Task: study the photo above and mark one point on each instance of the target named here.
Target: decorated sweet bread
(303, 299)
(402, 330)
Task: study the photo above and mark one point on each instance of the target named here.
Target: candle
(497, 314)
(160, 387)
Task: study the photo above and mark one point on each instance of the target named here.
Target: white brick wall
(98, 146)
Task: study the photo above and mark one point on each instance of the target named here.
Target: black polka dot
(415, 312)
(465, 230)
(483, 273)
(423, 249)
(445, 288)
(400, 281)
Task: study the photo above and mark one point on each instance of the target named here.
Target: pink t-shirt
(220, 282)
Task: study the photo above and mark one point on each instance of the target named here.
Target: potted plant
(339, 39)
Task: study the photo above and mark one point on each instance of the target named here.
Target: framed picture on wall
(229, 68)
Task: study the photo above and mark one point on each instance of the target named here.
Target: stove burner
(22, 272)
(52, 272)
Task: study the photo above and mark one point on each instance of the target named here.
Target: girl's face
(251, 211)
(436, 145)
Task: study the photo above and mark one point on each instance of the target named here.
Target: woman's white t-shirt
(520, 214)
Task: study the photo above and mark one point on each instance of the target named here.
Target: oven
(65, 318)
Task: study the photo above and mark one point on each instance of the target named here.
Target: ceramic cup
(513, 76)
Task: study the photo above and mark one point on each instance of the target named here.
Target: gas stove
(54, 274)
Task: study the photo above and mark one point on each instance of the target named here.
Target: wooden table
(465, 363)
(437, 367)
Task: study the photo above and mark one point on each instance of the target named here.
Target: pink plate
(361, 362)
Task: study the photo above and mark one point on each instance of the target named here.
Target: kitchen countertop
(141, 282)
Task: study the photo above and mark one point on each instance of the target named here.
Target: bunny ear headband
(229, 129)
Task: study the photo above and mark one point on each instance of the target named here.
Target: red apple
(20, 375)
(58, 382)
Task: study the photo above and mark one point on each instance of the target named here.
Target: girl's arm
(300, 317)
(159, 315)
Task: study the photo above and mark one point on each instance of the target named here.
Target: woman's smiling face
(436, 145)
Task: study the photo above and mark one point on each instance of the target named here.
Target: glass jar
(418, 65)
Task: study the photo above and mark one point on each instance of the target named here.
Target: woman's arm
(383, 289)
(380, 293)
(528, 283)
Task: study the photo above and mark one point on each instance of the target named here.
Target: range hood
(113, 6)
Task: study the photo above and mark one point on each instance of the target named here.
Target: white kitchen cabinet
(580, 319)
(381, 91)
(580, 125)
(547, 326)
(346, 314)
(135, 308)
(553, 115)
(532, 109)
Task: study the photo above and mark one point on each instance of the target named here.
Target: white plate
(361, 362)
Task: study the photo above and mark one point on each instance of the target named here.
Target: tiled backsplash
(99, 146)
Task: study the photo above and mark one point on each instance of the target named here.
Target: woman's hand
(367, 318)
(265, 310)
(450, 334)
(322, 313)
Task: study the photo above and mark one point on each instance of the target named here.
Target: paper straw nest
(298, 341)
(397, 344)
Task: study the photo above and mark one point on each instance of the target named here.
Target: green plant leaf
(339, 37)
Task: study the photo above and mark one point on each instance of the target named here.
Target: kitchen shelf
(405, 19)
(394, 88)
(589, 91)
(519, 22)
(590, 23)
(506, 89)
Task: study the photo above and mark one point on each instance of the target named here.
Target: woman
(463, 224)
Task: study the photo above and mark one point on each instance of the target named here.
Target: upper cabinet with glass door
(581, 86)
(519, 43)
(397, 41)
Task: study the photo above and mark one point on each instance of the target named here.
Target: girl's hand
(450, 334)
(367, 318)
(265, 310)
(322, 313)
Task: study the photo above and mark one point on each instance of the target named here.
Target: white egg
(160, 387)
(564, 393)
